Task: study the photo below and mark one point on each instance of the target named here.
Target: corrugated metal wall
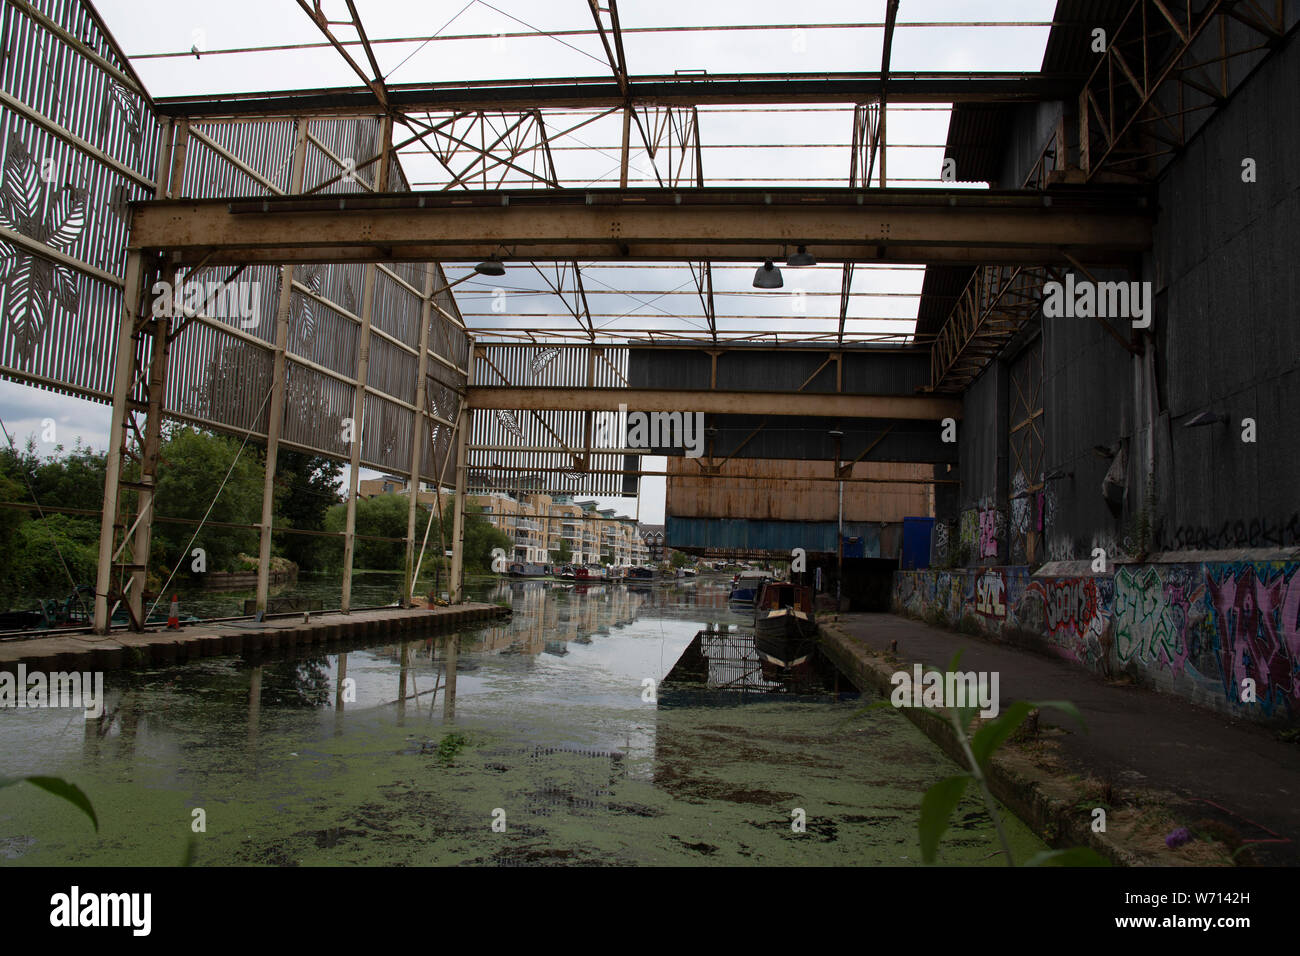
(61, 308)
(60, 314)
(787, 498)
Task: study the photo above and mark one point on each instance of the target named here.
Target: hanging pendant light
(768, 276)
(491, 267)
(801, 258)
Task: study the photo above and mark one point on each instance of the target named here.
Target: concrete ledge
(125, 649)
(1047, 803)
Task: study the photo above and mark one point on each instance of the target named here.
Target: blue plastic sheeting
(916, 543)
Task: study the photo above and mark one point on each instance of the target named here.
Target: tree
(680, 560)
(563, 554)
(481, 536)
(37, 555)
(306, 487)
(382, 516)
(192, 465)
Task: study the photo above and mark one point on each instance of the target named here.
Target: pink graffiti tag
(1256, 630)
(988, 534)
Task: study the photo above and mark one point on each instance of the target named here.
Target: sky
(462, 40)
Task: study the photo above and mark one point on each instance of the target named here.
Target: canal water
(603, 724)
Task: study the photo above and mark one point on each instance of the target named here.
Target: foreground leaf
(936, 810)
(62, 789)
(1064, 706)
(989, 737)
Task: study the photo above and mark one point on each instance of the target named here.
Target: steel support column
(464, 425)
(419, 428)
(275, 421)
(359, 393)
(122, 382)
(158, 329)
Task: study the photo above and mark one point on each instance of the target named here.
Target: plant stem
(984, 787)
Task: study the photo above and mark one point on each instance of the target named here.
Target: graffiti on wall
(1073, 614)
(990, 598)
(1021, 504)
(940, 542)
(1198, 630)
(981, 530)
(992, 527)
(968, 531)
(1256, 533)
(1152, 615)
(1254, 610)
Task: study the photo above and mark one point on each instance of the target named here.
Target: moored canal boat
(746, 585)
(785, 628)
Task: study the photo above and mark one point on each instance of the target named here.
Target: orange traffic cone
(174, 615)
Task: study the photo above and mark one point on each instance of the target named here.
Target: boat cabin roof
(779, 594)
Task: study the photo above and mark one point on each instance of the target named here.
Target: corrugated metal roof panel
(977, 140)
(1069, 44)
(939, 292)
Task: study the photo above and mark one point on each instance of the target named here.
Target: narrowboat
(785, 628)
(520, 569)
(641, 575)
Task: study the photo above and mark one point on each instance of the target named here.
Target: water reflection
(598, 716)
(722, 666)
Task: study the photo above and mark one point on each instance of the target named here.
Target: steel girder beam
(586, 93)
(323, 23)
(1166, 62)
(519, 398)
(1099, 226)
(996, 302)
(506, 139)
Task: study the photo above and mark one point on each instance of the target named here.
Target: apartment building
(538, 524)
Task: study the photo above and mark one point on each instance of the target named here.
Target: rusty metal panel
(784, 493)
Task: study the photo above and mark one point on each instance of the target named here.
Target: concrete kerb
(128, 650)
(1026, 791)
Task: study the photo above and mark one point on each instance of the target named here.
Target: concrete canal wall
(1197, 629)
(155, 647)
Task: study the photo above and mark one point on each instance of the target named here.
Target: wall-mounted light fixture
(1205, 418)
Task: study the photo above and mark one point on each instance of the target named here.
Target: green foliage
(306, 487)
(680, 560)
(936, 810)
(40, 545)
(939, 802)
(481, 536)
(563, 554)
(30, 546)
(191, 467)
(61, 789)
(449, 747)
(383, 516)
